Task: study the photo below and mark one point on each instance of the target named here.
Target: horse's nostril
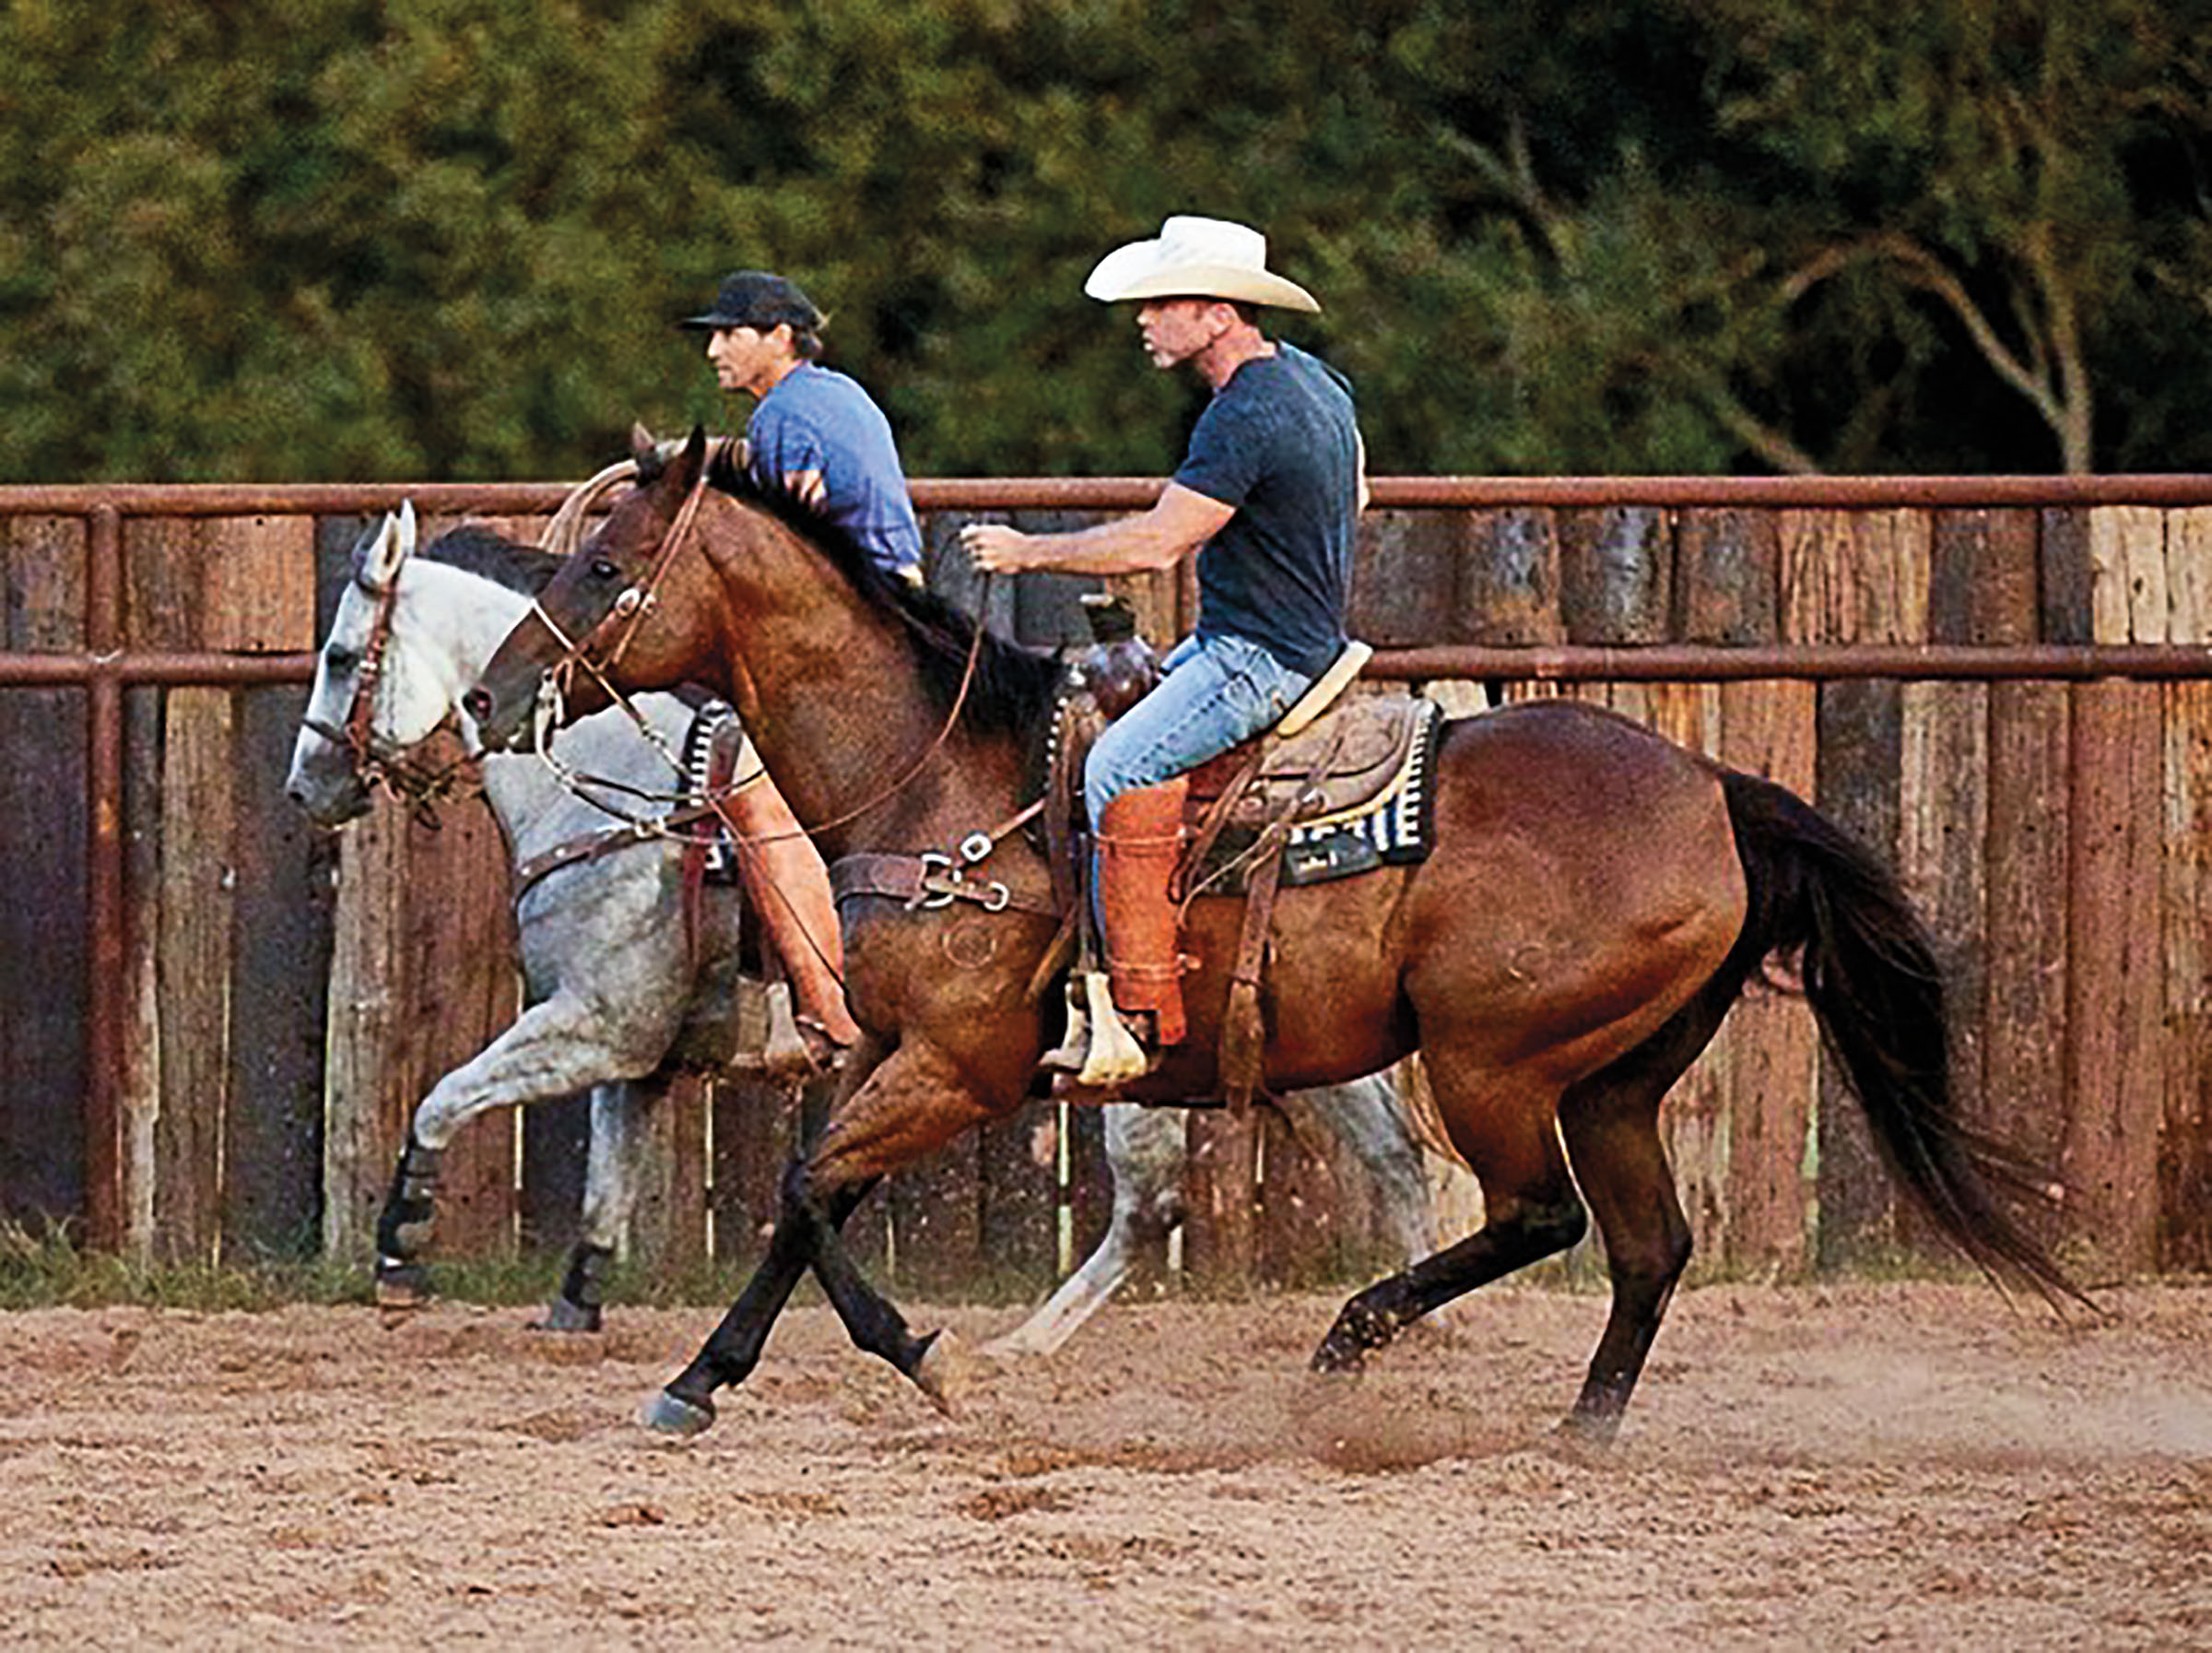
(477, 704)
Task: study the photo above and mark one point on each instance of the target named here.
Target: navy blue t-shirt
(1280, 443)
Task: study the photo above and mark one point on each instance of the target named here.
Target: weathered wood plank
(1019, 1231)
(196, 915)
(1305, 1234)
(45, 839)
(1406, 577)
(459, 971)
(1087, 1184)
(936, 1219)
(1727, 577)
(2117, 1055)
(1221, 1239)
(260, 573)
(1509, 579)
(2185, 1151)
(272, 1144)
(1856, 576)
(2117, 1067)
(668, 1229)
(1617, 575)
(364, 1111)
(2185, 1156)
(1774, 1047)
(2128, 573)
(2030, 770)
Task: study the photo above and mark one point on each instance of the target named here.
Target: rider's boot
(1139, 841)
(788, 892)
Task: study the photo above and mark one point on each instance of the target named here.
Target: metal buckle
(942, 883)
(933, 893)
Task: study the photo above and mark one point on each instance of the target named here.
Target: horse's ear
(693, 459)
(377, 559)
(646, 451)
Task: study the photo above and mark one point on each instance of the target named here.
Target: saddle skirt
(1349, 793)
(1353, 790)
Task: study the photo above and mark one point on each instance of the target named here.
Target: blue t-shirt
(1280, 443)
(817, 420)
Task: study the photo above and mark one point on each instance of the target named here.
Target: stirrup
(1068, 1054)
(797, 1046)
(1113, 1054)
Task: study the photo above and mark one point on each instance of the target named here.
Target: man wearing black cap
(814, 431)
(816, 434)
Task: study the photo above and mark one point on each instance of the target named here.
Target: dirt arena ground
(1917, 1465)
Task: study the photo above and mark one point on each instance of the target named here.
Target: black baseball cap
(755, 299)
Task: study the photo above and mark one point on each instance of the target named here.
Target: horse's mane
(1011, 691)
(476, 550)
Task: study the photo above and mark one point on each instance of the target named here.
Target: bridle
(404, 771)
(629, 608)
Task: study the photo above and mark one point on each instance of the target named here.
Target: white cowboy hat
(1197, 258)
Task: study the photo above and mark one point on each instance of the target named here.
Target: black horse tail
(1870, 973)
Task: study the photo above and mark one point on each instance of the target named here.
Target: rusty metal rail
(104, 668)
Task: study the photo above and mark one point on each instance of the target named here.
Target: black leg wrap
(582, 1291)
(403, 1229)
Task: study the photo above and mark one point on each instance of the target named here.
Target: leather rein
(629, 610)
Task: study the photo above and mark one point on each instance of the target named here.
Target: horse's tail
(1870, 973)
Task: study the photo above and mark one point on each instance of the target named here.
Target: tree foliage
(430, 239)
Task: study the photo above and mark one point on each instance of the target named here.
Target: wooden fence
(214, 1020)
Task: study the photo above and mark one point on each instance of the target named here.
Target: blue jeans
(1218, 691)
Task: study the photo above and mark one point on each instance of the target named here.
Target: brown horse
(1594, 901)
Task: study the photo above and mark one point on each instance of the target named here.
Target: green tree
(449, 238)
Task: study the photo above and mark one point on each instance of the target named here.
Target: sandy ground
(1917, 1465)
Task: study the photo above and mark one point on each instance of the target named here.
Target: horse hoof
(946, 1373)
(673, 1418)
(402, 1290)
(563, 1315)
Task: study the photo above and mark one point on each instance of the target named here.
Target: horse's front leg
(913, 1103)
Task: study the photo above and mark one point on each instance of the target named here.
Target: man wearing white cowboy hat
(1266, 498)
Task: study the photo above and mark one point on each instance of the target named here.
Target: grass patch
(46, 1269)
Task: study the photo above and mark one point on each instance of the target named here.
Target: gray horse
(620, 1000)
(624, 990)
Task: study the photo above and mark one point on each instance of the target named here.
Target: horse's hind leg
(610, 1194)
(1145, 1152)
(1502, 1125)
(1611, 1124)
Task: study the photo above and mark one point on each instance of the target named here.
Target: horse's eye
(603, 568)
(339, 662)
